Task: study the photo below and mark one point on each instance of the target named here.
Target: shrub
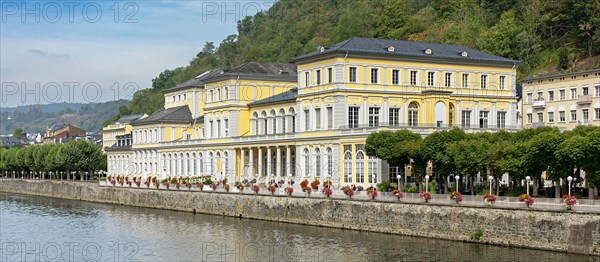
(477, 234)
(384, 186)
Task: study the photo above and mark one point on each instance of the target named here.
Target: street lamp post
(426, 183)
(490, 178)
(569, 178)
(456, 179)
(528, 178)
(398, 177)
(374, 182)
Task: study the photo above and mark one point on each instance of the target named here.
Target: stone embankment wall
(575, 232)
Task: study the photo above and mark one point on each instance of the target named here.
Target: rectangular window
(352, 75)
(597, 113)
(529, 118)
(430, 78)
(306, 79)
(395, 76)
(483, 83)
(483, 119)
(551, 117)
(585, 90)
(585, 115)
(329, 118)
(373, 116)
(413, 78)
(318, 77)
(465, 80)
(561, 94)
(329, 75)
(540, 96)
(353, 116)
(466, 119)
(306, 120)
(573, 115)
(561, 116)
(374, 75)
(540, 117)
(550, 95)
(573, 93)
(448, 80)
(394, 116)
(529, 98)
(597, 91)
(502, 83)
(218, 131)
(501, 119)
(318, 118)
(226, 127)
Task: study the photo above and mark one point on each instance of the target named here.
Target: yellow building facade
(311, 118)
(564, 101)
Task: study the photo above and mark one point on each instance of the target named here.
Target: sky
(96, 51)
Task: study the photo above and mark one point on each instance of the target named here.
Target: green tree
(17, 133)
(392, 146)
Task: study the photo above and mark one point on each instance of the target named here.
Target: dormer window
(464, 54)
(428, 51)
(391, 49)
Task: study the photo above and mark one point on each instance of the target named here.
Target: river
(46, 229)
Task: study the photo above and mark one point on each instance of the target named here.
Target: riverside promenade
(575, 231)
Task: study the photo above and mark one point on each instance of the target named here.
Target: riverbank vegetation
(530, 152)
(76, 155)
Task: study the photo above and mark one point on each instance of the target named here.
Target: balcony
(539, 103)
(584, 100)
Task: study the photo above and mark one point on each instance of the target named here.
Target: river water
(47, 229)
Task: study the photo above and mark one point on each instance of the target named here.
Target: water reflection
(112, 232)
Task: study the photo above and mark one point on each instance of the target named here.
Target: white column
(278, 165)
(242, 161)
(260, 162)
(269, 161)
(251, 162)
(288, 159)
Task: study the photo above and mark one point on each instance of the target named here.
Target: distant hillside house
(118, 128)
(11, 141)
(61, 133)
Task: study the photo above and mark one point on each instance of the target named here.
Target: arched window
(200, 164)
(360, 167)
(263, 122)
(218, 96)
(348, 167)
(194, 164)
(317, 162)
(226, 93)
(255, 123)
(306, 162)
(184, 97)
(225, 163)
(273, 122)
(413, 114)
(292, 114)
(210, 96)
(210, 163)
(282, 120)
(329, 162)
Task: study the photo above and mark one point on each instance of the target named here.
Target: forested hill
(548, 36)
(35, 118)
